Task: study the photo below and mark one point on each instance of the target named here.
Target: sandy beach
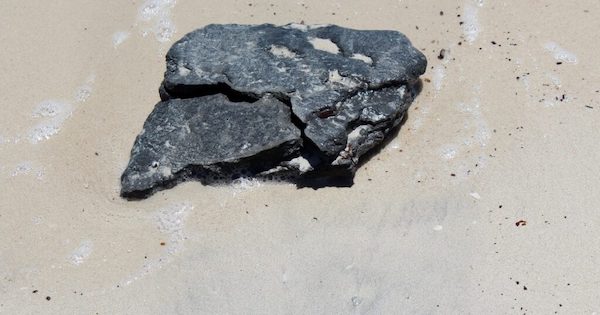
(485, 202)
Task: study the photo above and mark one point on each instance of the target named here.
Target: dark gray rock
(347, 89)
(207, 137)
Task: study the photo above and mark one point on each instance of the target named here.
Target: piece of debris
(521, 223)
(295, 101)
(442, 54)
(475, 195)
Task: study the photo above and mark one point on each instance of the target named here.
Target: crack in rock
(266, 101)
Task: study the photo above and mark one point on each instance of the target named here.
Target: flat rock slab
(262, 100)
(212, 134)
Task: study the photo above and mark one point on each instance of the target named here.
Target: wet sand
(486, 201)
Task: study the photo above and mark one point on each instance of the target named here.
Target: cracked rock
(263, 100)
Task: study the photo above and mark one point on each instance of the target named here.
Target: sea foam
(157, 13)
(559, 53)
(470, 26)
(52, 115)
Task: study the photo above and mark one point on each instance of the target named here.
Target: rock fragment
(208, 137)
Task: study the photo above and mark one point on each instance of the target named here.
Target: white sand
(428, 228)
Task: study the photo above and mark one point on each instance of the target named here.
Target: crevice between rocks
(193, 91)
(233, 95)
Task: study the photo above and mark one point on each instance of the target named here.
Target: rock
(207, 137)
(347, 89)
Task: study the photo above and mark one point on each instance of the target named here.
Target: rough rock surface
(214, 134)
(228, 91)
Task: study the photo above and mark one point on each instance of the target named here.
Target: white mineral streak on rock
(324, 44)
(302, 164)
(303, 27)
(336, 78)
(282, 52)
(183, 70)
(297, 26)
(363, 58)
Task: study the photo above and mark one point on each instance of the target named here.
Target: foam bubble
(555, 80)
(470, 24)
(394, 145)
(158, 14)
(449, 153)
(28, 168)
(170, 218)
(153, 8)
(559, 53)
(481, 131)
(245, 183)
(439, 73)
(171, 222)
(85, 91)
(81, 253)
(119, 37)
(53, 114)
(164, 29)
(22, 168)
(47, 109)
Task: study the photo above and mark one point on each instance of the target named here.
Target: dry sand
(500, 133)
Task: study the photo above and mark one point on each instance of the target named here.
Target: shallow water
(500, 133)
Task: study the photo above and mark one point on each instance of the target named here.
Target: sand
(486, 201)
